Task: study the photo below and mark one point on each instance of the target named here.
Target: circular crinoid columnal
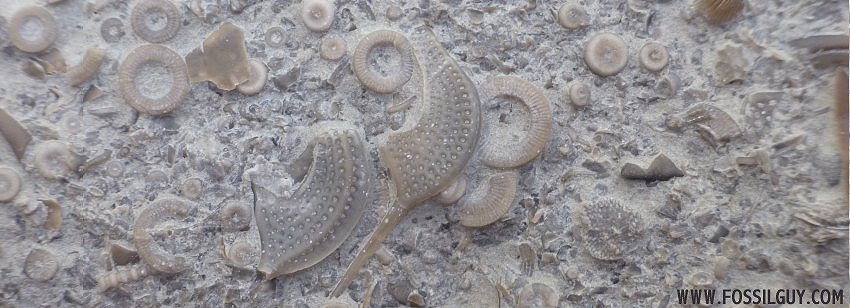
(256, 80)
(155, 21)
(53, 159)
(509, 154)
(720, 11)
(32, 29)
(10, 184)
(275, 37)
(236, 216)
(332, 48)
(153, 79)
(192, 188)
(606, 54)
(573, 16)
(112, 30)
(387, 82)
(241, 254)
(394, 12)
(579, 93)
(653, 57)
(609, 230)
(41, 264)
(538, 295)
(318, 15)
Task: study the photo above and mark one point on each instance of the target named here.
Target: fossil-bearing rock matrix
(451, 153)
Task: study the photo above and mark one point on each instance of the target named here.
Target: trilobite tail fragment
(297, 232)
(428, 157)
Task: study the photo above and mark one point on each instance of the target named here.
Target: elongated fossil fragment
(497, 154)
(297, 232)
(15, 134)
(428, 157)
(119, 276)
(491, 201)
(87, 68)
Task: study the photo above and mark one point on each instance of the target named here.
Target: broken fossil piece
(661, 169)
(52, 61)
(822, 42)
(712, 123)
(222, 60)
(298, 231)
(15, 134)
(731, 63)
(121, 254)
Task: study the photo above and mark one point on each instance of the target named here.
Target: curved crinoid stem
(88, 67)
(151, 253)
(299, 231)
(490, 202)
(426, 158)
(496, 153)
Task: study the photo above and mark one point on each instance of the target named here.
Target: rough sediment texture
(765, 209)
